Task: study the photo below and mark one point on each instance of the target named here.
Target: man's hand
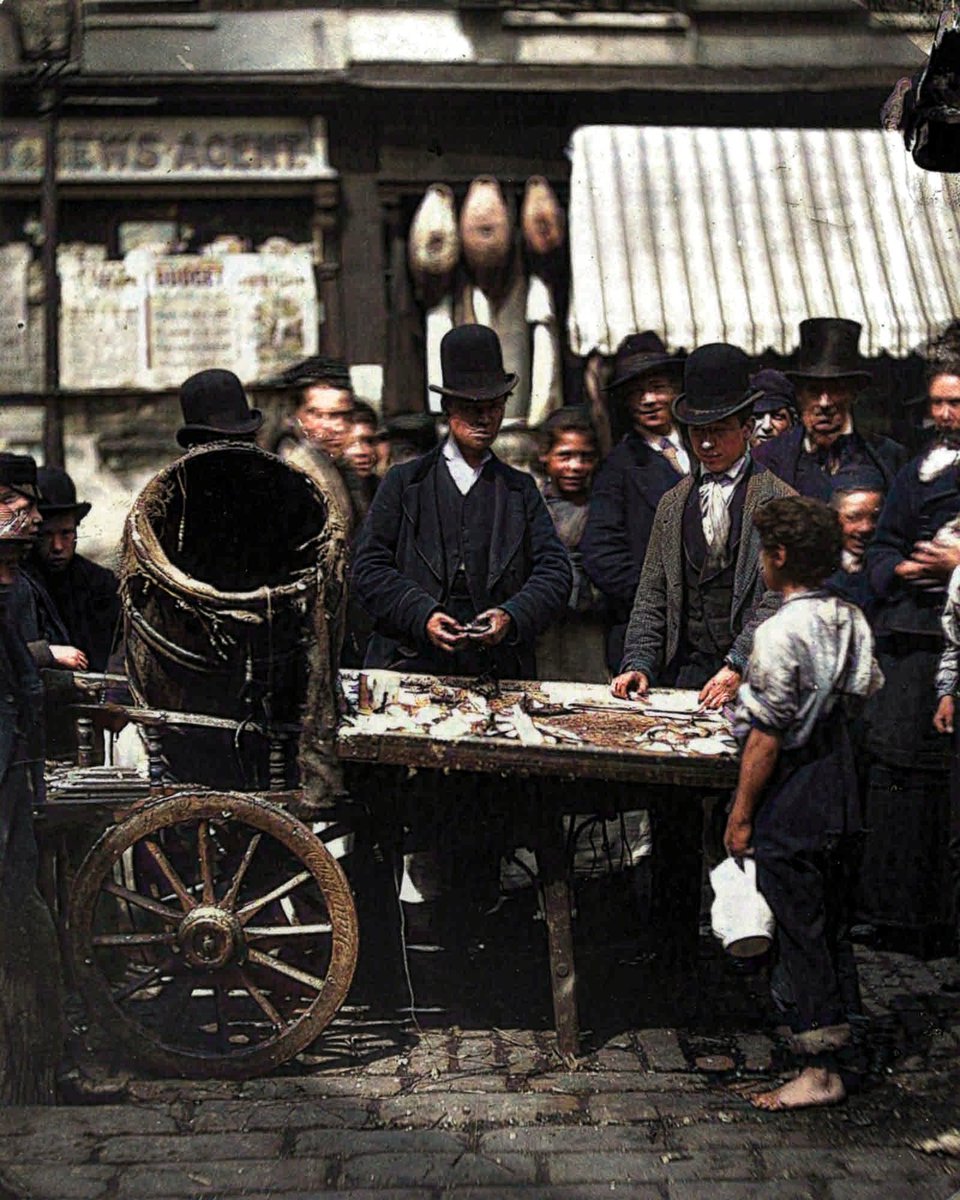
(499, 623)
(631, 685)
(938, 559)
(943, 717)
(444, 632)
(738, 835)
(721, 689)
(69, 657)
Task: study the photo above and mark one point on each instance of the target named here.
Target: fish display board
(546, 728)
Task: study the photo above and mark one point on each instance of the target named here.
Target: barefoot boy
(796, 806)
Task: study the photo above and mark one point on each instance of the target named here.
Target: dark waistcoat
(708, 585)
(466, 527)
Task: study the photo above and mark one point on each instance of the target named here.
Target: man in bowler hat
(460, 566)
(828, 376)
(215, 409)
(83, 593)
(647, 463)
(30, 999)
(701, 591)
(458, 561)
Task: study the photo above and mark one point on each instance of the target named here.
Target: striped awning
(737, 235)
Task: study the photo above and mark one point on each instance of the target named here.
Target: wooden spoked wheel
(213, 935)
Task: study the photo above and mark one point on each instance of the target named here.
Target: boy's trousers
(809, 891)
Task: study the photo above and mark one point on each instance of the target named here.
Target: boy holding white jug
(796, 808)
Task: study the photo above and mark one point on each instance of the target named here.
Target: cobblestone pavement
(477, 1112)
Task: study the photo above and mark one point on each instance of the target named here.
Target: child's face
(571, 462)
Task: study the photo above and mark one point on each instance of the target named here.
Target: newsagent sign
(140, 149)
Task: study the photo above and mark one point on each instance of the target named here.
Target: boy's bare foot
(813, 1087)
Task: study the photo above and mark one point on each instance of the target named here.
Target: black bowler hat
(829, 349)
(472, 365)
(19, 473)
(776, 392)
(716, 384)
(641, 354)
(214, 402)
(58, 494)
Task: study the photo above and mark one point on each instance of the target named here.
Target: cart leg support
(556, 889)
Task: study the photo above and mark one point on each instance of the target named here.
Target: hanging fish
(486, 232)
(542, 218)
(433, 244)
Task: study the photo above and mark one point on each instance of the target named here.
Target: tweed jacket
(656, 621)
(398, 563)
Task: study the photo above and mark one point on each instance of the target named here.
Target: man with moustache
(647, 463)
(828, 377)
(914, 551)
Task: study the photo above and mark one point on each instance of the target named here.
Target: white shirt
(716, 492)
(463, 475)
(815, 652)
(655, 440)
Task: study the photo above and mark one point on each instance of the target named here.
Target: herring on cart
(211, 930)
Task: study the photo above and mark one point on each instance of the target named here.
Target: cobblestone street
(652, 1113)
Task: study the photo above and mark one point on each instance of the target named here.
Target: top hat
(19, 472)
(829, 350)
(776, 391)
(214, 402)
(640, 354)
(716, 384)
(472, 365)
(58, 494)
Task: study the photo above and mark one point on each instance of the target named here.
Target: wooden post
(552, 869)
(50, 219)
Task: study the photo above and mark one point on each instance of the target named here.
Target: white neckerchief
(810, 446)
(851, 563)
(655, 442)
(716, 492)
(937, 460)
(463, 475)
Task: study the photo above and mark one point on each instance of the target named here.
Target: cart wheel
(213, 935)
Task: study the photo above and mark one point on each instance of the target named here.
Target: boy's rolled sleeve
(770, 696)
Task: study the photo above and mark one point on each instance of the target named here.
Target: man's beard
(949, 438)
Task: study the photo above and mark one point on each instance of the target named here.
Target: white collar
(731, 474)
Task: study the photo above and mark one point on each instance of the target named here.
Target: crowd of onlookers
(683, 558)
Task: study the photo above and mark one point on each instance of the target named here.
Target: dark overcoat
(399, 566)
(782, 456)
(85, 599)
(656, 622)
(623, 503)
